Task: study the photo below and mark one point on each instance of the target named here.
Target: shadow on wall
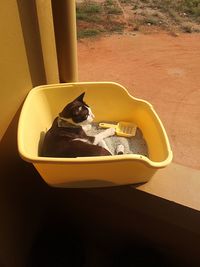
(30, 28)
(23, 201)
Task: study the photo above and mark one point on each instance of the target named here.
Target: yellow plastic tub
(109, 102)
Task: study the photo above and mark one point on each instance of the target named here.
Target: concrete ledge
(176, 183)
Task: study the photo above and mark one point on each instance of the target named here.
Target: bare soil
(159, 68)
(100, 17)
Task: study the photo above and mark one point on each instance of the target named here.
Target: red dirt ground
(159, 68)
